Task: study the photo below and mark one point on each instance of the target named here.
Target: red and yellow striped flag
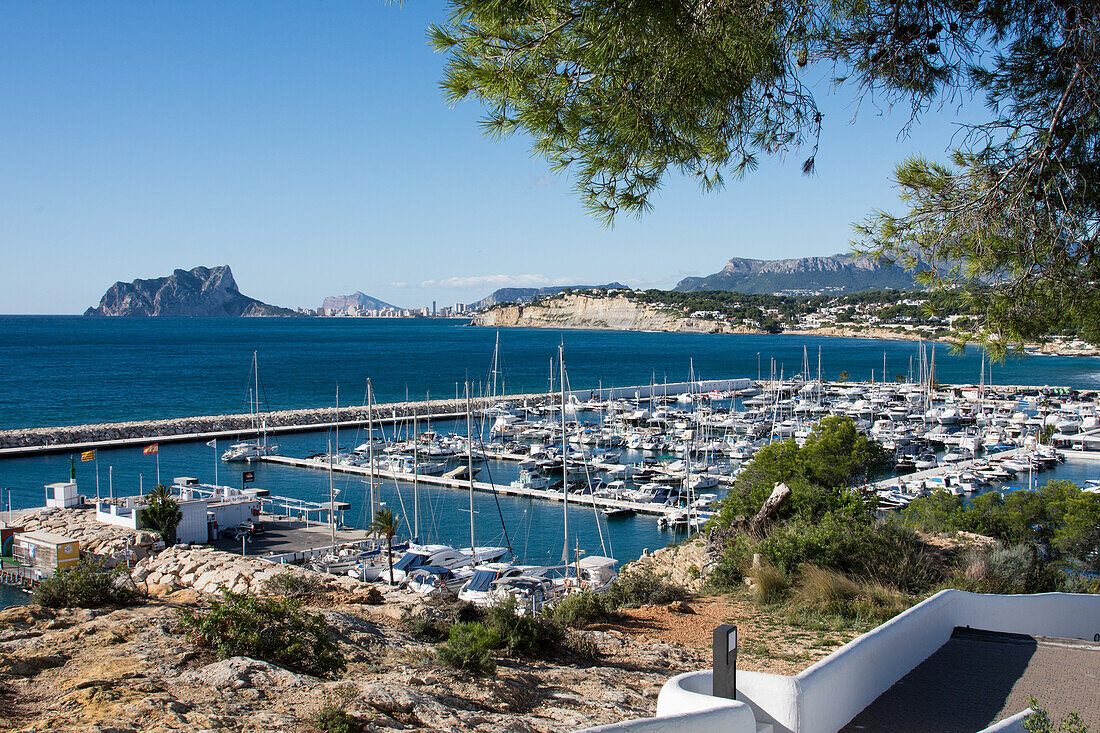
(88, 455)
(151, 450)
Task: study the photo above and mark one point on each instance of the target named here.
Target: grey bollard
(725, 662)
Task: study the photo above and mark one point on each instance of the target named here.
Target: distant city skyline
(308, 147)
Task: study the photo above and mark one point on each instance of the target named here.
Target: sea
(72, 370)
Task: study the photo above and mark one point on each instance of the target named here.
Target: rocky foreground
(133, 669)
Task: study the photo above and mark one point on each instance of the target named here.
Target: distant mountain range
(840, 273)
(355, 300)
(203, 291)
(526, 295)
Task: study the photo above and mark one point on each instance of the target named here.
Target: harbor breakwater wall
(30, 441)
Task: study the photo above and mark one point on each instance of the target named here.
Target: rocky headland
(613, 312)
(201, 292)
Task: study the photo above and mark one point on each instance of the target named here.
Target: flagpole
(158, 465)
(215, 461)
(97, 475)
(110, 480)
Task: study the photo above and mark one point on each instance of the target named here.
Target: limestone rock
(238, 673)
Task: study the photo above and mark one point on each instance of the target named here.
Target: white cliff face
(617, 313)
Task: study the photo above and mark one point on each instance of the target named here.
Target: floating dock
(464, 484)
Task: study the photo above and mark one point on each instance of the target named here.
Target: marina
(622, 470)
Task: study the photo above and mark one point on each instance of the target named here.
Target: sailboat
(249, 450)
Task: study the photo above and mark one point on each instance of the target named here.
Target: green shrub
(332, 719)
(88, 585)
(274, 630)
(643, 588)
(533, 635)
(429, 629)
(293, 585)
(469, 646)
(1040, 722)
(999, 569)
(577, 610)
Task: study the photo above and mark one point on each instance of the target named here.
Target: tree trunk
(758, 524)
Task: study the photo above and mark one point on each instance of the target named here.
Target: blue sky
(307, 145)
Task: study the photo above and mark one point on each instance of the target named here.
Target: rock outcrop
(203, 291)
(618, 313)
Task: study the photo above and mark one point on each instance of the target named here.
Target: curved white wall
(825, 696)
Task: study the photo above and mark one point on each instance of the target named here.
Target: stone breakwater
(106, 541)
(210, 426)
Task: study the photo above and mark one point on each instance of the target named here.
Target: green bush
(1000, 569)
(429, 629)
(1039, 721)
(274, 630)
(533, 635)
(293, 585)
(643, 588)
(88, 585)
(469, 647)
(331, 719)
(577, 610)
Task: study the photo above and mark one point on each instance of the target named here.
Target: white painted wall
(700, 713)
(192, 526)
(825, 696)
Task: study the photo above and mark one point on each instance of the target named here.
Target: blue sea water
(71, 370)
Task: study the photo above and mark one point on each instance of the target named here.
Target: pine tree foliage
(624, 93)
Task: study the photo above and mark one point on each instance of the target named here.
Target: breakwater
(119, 434)
(31, 441)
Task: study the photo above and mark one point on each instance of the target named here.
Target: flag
(151, 450)
(88, 455)
(211, 443)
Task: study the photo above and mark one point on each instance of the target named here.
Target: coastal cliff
(839, 273)
(203, 291)
(617, 313)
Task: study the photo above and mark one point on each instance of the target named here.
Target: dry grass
(828, 591)
(769, 582)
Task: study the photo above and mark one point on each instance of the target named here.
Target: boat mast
(416, 478)
(256, 378)
(564, 455)
(496, 365)
(331, 497)
(470, 469)
(370, 448)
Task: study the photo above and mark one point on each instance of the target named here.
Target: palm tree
(162, 513)
(385, 525)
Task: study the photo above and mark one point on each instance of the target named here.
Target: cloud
(542, 181)
(398, 284)
(499, 281)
